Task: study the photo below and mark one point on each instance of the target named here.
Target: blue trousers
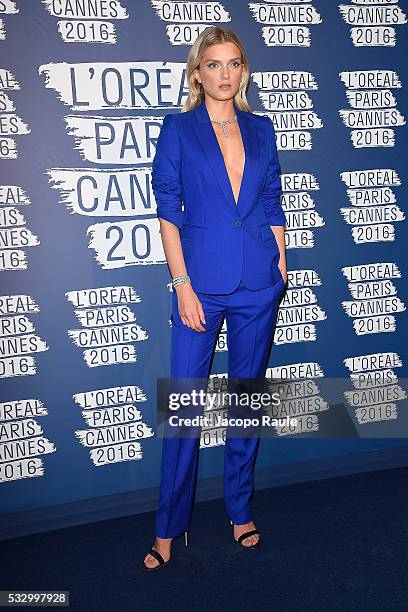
(250, 319)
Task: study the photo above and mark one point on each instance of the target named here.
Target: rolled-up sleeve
(166, 180)
(272, 190)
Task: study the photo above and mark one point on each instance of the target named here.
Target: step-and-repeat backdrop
(85, 298)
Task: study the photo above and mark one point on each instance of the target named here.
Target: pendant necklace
(224, 123)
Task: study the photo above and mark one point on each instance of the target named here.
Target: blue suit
(232, 258)
(223, 242)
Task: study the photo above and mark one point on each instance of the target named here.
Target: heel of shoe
(186, 538)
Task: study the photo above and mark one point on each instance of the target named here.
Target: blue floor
(334, 544)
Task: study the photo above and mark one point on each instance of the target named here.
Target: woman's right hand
(189, 306)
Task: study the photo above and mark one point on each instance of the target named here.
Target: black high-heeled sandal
(245, 535)
(158, 556)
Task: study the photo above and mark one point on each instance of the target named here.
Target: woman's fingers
(198, 324)
(193, 318)
(194, 321)
(201, 312)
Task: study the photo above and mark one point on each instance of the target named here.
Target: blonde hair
(213, 35)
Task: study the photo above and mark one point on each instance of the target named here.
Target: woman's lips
(225, 86)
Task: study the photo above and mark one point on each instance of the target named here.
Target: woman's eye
(235, 64)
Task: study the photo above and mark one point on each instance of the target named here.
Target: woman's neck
(220, 109)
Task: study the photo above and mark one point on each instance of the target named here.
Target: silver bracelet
(180, 280)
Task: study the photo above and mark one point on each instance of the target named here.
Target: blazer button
(237, 223)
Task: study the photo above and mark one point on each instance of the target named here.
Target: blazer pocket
(193, 232)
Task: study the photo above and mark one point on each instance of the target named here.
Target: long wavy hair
(213, 35)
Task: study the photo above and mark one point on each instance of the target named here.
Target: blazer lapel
(205, 133)
(249, 132)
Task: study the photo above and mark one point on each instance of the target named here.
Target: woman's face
(220, 70)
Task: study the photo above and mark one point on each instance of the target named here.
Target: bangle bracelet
(180, 280)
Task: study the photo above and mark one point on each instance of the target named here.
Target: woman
(226, 254)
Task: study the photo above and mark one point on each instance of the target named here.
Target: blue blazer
(222, 241)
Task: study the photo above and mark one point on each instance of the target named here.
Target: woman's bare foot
(163, 546)
(240, 529)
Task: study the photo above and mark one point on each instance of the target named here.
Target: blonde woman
(226, 254)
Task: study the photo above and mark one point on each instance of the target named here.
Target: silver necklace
(224, 123)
